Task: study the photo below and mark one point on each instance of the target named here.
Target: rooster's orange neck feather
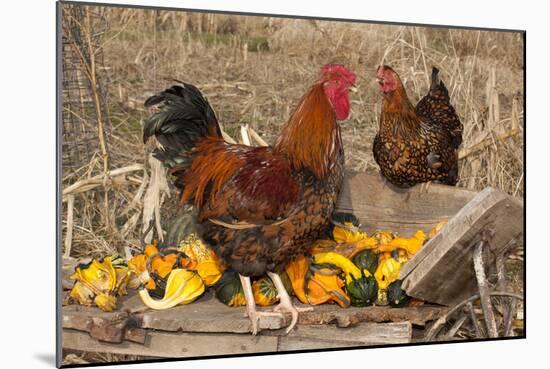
(311, 138)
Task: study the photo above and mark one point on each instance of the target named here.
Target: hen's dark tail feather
(183, 119)
(431, 105)
(437, 84)
(455, 126)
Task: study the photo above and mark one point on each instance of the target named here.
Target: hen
(258, 207)
(416, 145)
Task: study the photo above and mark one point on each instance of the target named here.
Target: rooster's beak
(353, 89)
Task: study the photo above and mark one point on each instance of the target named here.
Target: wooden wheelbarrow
(481, 227)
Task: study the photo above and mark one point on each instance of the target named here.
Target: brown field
(254, 69)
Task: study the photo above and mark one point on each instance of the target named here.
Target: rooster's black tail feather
(183, 119)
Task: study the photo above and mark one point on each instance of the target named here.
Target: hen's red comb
(384, 68)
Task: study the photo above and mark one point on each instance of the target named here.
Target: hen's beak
(380, 80)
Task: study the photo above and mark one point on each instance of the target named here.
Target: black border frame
(59, 176)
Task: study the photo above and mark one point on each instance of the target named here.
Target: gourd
(396, 296)
(366, 259)
(229, 289)
(264, 291)
(182, 287)
(361, 286)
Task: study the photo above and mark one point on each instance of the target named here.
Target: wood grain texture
(114, 327)
(442, 271)
(364, 334)
(208, 315)
(380, 205)
(328, 313)
(174, 345)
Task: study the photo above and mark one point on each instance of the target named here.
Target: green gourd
(366, 259)
(396, 296)
(362, 291)
(229, 289)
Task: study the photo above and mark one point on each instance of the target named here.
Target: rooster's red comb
(338, 71)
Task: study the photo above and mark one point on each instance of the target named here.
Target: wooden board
(207, 327)
(113, 327)
(165, 344)
(326, 314)
(380, 205)
(442, 271)
(170, 344)
(363, 334)
(208, 315)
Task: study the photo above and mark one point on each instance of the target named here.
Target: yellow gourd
(343, 235)
(202, 259)
(387, 272)
(411, 245)
(96, 283)
(182, 287)
(315, 287)
(437, 228)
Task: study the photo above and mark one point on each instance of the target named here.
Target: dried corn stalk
(154, 197)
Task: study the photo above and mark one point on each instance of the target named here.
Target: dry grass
(76, 358)
(253, 69)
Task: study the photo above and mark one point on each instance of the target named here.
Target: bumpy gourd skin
(396, 296)
(417, 144)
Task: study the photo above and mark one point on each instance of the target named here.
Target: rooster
(258, 207)
(416, 145)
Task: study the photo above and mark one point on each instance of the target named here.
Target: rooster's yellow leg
(253, 314)
(285, 303)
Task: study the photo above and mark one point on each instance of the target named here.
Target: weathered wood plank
(208, 315)
(380, 205)
(174, 345)
(442, 271)
(364, 334)
(205, 315)
(109, 327)
(325, 314)
(168, 344)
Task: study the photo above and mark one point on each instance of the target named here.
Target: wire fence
(83, 31)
